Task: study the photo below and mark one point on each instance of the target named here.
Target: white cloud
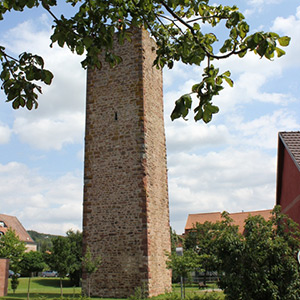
(290, 26)
(259, 6)
(263, 2)
(188, 136)
(50, 133)
(42, 204)
(231, 180)
(59, 120)
(262, 132)
(5, 133)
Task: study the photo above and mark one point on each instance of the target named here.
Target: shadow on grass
(18, 296)
(54, 282)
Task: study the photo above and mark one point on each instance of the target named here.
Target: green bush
(205, 296)
(140, 293)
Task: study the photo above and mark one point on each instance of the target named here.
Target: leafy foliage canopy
(176, 26)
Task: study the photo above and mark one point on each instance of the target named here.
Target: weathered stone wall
(4, 266)
(126, 213)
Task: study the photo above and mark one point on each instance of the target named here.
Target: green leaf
(213, 109)
(30, 75)
(48, 77)
(262, 48)
(227, 73)
(87, 41)
(284, 41)
(79, 49)
(219, 80)
(182, 107)
(195, 88)
(228, 80)
(198, 115)
(21, 101)
(242, 54)
(279, 52)
(29, 104)
(16, 104)
(30, 3)
(4, 75)
(207, 116)
(196, 26)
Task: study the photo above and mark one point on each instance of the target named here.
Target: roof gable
(291, 141)
(13, 223)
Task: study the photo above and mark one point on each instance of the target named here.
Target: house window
(2, 224)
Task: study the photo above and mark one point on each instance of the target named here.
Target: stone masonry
(126, 209)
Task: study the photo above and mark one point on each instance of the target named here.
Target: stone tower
(126, 210)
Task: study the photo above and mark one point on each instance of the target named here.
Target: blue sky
(229, 164)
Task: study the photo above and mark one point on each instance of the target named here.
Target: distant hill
(43, 240)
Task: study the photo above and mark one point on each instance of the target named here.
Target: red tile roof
(238, 218)
(13, 223)
(291, 141)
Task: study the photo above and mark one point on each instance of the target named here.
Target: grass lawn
(49, 288)
(42, 288)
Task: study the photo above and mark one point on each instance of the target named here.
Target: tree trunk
(89, 286)
(28, 289)
(61, 287)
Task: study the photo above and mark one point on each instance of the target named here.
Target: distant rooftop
(238, 218)
(12, 222)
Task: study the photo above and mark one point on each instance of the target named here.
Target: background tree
(261, 264)
(75, 271)
(203, 240)
(60, 258)
(31, 262)
(11, 247)
(43, 241)
(91, 265)
(175, 25)
(176, 240)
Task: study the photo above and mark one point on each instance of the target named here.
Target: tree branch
(185, 23)
(205, 18)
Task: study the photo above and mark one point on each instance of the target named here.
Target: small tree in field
(90, 265)
(31, 262)
(182, 265)
(61, 258)
(14, 282)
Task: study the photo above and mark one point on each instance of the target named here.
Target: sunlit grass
(49, 288)
(42, 288)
